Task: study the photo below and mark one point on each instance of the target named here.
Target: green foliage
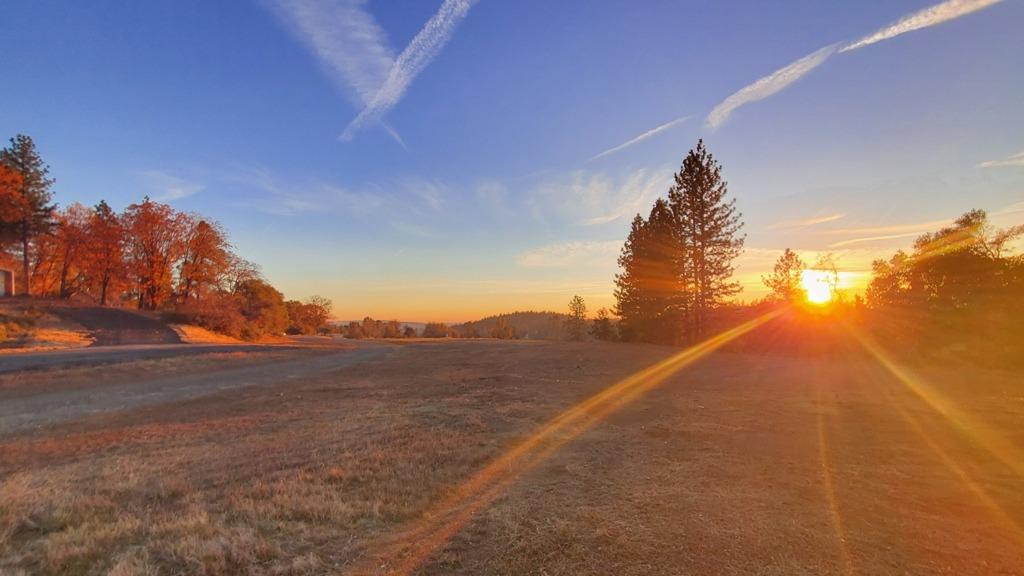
(263, 308)
(785, 279)
(960, 284)
(576, 321)
(602, 328)
(676, 266)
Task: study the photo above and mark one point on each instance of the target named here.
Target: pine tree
(602, 328)
(709, 231)
(576, 322)
(785, 279)
(648, 291)
(628, 292)
(35, 213)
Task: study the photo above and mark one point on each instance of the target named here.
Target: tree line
(149, 256)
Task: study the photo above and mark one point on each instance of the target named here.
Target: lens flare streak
(414, 546)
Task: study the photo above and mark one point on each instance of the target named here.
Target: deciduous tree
(30, 213)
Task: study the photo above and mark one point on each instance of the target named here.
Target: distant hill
(527, 325)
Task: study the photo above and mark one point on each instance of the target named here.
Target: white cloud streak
(768, 85)
(1014, 160)
(352, 48)
(164, 187)
(640, 138)
(593, 199)
(571, 254)
(423, 48)
(937, 14)
(807, 222)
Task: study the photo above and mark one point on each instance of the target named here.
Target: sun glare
(818, 285)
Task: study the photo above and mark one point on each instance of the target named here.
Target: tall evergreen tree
(709, 231)
(35, 213)
(648, 290)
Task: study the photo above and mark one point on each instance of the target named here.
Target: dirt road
(51, 407)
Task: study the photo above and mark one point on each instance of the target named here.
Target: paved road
(43, 409)
(108, 354)
(117, 326)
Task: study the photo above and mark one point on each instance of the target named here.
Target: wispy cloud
(425, 46)
(912, 228)
(568, 254)
(768, 85)
(881, 233)
(640, 138)
(165, 187)
(807, 221)
(937, 14)
(592, 199)
(1014, 160)
(872, 239)
(351, 47)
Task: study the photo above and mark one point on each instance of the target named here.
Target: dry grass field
(739, 463)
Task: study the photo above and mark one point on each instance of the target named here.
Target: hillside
(527, 325)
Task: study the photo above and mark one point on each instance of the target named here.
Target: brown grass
(190, 334)
(26, 328)
(741, 464)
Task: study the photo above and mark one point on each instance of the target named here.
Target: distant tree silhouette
(308, 317)
(602, 328)
(435, 330)
(354, 330)
(785, 280)
(408, 331)
(30, 213)
(392, 329)
(502, 329)
(576, 321)
(709, 231)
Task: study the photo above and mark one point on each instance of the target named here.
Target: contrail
(352, 48)
(768, 85)
(416, 56)
(937, 14)
(640, 138)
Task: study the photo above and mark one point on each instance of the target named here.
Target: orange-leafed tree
(30, 214)
(104, 261)
(156, 236)
(12, 203)
(207, 259)
(70, 241)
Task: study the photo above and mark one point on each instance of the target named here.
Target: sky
(442, 160)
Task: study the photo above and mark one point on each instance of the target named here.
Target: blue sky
(433, 160)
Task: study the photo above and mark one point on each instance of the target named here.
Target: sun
(819, 285)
